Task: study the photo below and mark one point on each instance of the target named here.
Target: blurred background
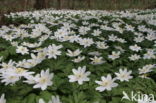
(7, 6)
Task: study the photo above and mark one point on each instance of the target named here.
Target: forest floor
(63, 56)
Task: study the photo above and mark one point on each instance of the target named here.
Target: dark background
(7, 6)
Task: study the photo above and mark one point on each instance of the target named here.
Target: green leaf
(30, 98)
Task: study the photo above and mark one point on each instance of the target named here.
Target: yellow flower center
(19, 70)
(105, 83)
(79, 76)
(12, 77)
(43, 80)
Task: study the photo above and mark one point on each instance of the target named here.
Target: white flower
(41, 101)
(78, 59)
(121, 40)
(104, 27)
(139, 39)
(94, 53)
(53, 51)
(42, 39)
(74, 53)
(134, 57)
(150, 54)
(43, 80)
(97, 60)
(146, 69)
(101, 45)
(30, 79)
(144, 76)
(114, 55)
(83, 30)
(2, 99)
(85, 23)
(31, 45)
(112, 37)
(102, 38)
(86, 42)
(12, 75)
(21, 72)
(124, 75)
(129, 28)
(55, 99)
(9, 78)
(119, 29)
(107, 83)
(135, 48)
(138, 34)
(96, 32)
(73, 38)
(40, 56)
(151, 37)
(65, 38)
(27, 63)
(80, 75)
(22, 50)
(8, 65)
(39, 50)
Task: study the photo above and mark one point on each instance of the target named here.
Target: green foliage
(76, 98)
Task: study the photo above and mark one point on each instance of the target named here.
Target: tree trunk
(26, 4)
(59, 4)
(41, 4)
(73, 4)
(47, 2)
(69, 2)
(115, 4)
(89, 3)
